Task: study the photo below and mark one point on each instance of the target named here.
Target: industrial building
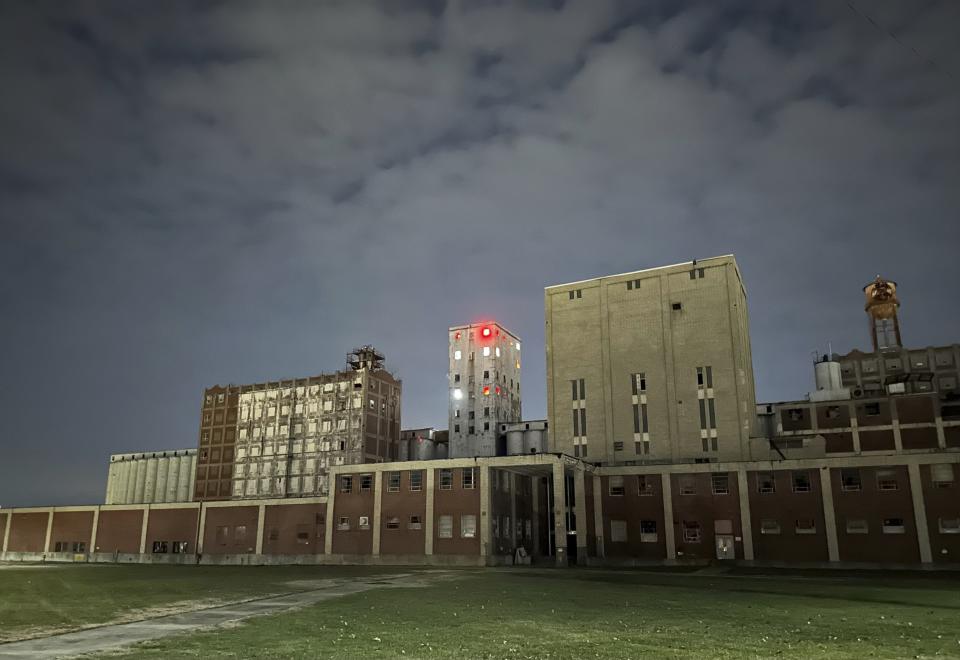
(484, 386)
(654, 451)
(289, 433)
(151, 477)
(652, 366)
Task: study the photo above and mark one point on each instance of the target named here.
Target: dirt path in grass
(110, 637)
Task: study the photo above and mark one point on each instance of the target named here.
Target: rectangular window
(346, 483)
(893, 526)
(469, 478)
(857, 526)
(445, 527)
(636, 418)
(618, 531)
(416, 481)
(850, 480)
(366, 483)
(468, 526)
(645, 485)
(618, 445)
(486, 426)
(583, 389)
(393, 482)
(576, 423)
(239, 534)
(801, 482)
(769, 526)
(949, 525)
(615, 488)
(887, 480)
(648, 531)
(941, 475)
(720, 484)
(691, 532)
(703, 414)
(688, 485)
(343, 523)
(583, 421)
(806, 526)
(766, 483)
(700, 377)
(446, 479)
(416, 522)
(363, 522)
(393, 523)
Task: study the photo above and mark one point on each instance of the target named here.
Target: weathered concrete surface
(112, 637)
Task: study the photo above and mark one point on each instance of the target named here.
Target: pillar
(261, 519)
(377, 510)
(598, 514)
(559, 514)
(580, 511)
(6, 530)
(829, 516)
(746, 521)
(669, 530)
(919, 513)
(428, 517)
(333, 478)
(93, 531)
(143, 529)
(139, 481)
(535, 508)
(46, 542)
(486, 548)
(513, 510)
(160, 485)
(201, 527)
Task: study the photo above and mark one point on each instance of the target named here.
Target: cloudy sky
(195, 193)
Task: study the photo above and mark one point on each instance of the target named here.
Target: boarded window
(445, 527)
(769, 526)
(393, 523)
(941, 475)
(616, 486)
(806, 526)
(618, 531)
(857, 526)
(893, 526)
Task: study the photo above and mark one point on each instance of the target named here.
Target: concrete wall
(663, 324)
(151, 477)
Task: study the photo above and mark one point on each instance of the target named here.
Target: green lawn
(515, 613)
(39, 599)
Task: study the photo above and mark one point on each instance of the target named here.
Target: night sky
(195, 193)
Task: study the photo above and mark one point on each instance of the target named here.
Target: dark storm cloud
(194, 193)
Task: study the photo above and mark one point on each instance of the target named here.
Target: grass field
(40, 599)
(515, 613)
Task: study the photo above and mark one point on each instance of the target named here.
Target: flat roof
(644, 270)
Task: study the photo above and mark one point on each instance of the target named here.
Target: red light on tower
(486, 390)
(485, 332)
(456, 335)
(498, 390)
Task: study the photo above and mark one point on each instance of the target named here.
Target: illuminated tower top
(484, 386)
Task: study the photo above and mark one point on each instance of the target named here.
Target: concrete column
(331, 522)
(666, 489)
(188, 471)
(428, 517)
(261, 518)
(598, 514)
(111, 483)
(895, 420)
(201, 527)
(941, 436)
(919, 513)
(173, 480)
(92, 547)
(377, 510)
(150, 479)
(486, 547)
(6, 530)
(829, 517)
(746, 523)
(580, 511)
(535, 508)
(143, 529)
(513, 509)
(46, 542)
(854, 429)
(559, 514)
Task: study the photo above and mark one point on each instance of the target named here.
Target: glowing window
(486, 390)
(486, 351)
(485, 332)
(457, 393)
(457, 355)
(497, 351)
